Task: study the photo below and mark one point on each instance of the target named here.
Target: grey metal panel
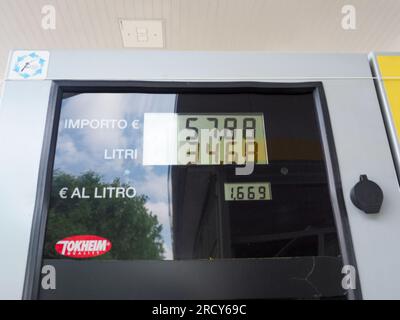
(163, 65)
(386, 110)
(362, 147)
(22, 120)
(361, 142)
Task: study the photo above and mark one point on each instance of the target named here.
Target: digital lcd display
(247, 191)
(204, 139)
(222, 138)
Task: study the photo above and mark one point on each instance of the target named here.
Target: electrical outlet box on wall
(142, 33)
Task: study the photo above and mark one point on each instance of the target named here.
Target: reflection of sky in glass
(81, 150)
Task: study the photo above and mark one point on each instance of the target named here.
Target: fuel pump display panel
(187, 177)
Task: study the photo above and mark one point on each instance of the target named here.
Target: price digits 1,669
(257, 191)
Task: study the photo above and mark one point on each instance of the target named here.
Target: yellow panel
(390, 68)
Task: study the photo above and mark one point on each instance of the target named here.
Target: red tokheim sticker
(80, 247)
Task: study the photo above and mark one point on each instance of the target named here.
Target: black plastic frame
(34, 261)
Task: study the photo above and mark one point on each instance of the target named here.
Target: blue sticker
(29, 65)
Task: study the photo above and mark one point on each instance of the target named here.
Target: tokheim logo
(86, 246)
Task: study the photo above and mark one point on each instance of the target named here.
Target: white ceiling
(271, 25)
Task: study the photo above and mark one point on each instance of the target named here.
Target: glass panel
(117, 195)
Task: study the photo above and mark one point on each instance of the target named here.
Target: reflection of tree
(134, 232)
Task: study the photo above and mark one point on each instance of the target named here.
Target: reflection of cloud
(116, 105)
(168, 252)
(99, 107)
(71, 158)
(68, 149)
(153, 185)
(160, 210)
(68, 155)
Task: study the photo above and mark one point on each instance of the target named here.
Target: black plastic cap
(367, 196)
